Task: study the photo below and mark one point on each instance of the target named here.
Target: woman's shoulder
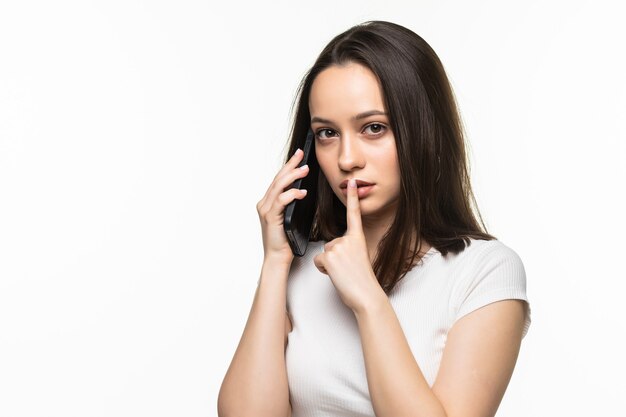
(480, 247)
(492, 271)
(481, 252)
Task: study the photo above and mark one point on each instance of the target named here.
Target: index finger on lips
(353, 209)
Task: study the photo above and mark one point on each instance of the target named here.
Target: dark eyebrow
(357, 117)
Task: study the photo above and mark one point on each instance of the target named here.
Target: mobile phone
(299, 213)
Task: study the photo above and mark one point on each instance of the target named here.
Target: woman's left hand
(346, 260)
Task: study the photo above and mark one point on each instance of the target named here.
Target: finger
(285, 198)
(318, 260)
(328, 245)
(291, 176)
(292, 163)
(276, 208)
(280, 184)
(286, 180)
(353, 209)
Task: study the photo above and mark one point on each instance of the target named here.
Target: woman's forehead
(345, 91)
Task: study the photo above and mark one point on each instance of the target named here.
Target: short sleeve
(495, 274)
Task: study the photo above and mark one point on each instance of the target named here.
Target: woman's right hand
(271, 209)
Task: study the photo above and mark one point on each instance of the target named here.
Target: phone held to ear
(299, 213)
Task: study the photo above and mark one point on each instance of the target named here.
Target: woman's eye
(376, 128)
(321, 131)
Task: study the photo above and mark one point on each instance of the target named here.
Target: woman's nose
(350, 154)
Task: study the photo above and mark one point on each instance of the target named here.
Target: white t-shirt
(324, 358)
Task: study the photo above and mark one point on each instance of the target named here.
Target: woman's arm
(255, 384)
(476, 366)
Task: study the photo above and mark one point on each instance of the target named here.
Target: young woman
(403, 304)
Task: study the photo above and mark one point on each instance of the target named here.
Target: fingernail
(303, 190)
(298, 151)
(303, 167)
(352, 183)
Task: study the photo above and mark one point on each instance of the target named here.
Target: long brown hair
(436, 200)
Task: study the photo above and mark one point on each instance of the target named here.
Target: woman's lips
(361, 191)
(359, 183)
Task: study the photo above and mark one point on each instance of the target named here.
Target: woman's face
(353, 138)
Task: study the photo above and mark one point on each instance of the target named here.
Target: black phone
(299, 213)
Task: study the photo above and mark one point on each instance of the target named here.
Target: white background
(137, 137)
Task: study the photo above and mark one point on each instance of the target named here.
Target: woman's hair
(436, 197)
